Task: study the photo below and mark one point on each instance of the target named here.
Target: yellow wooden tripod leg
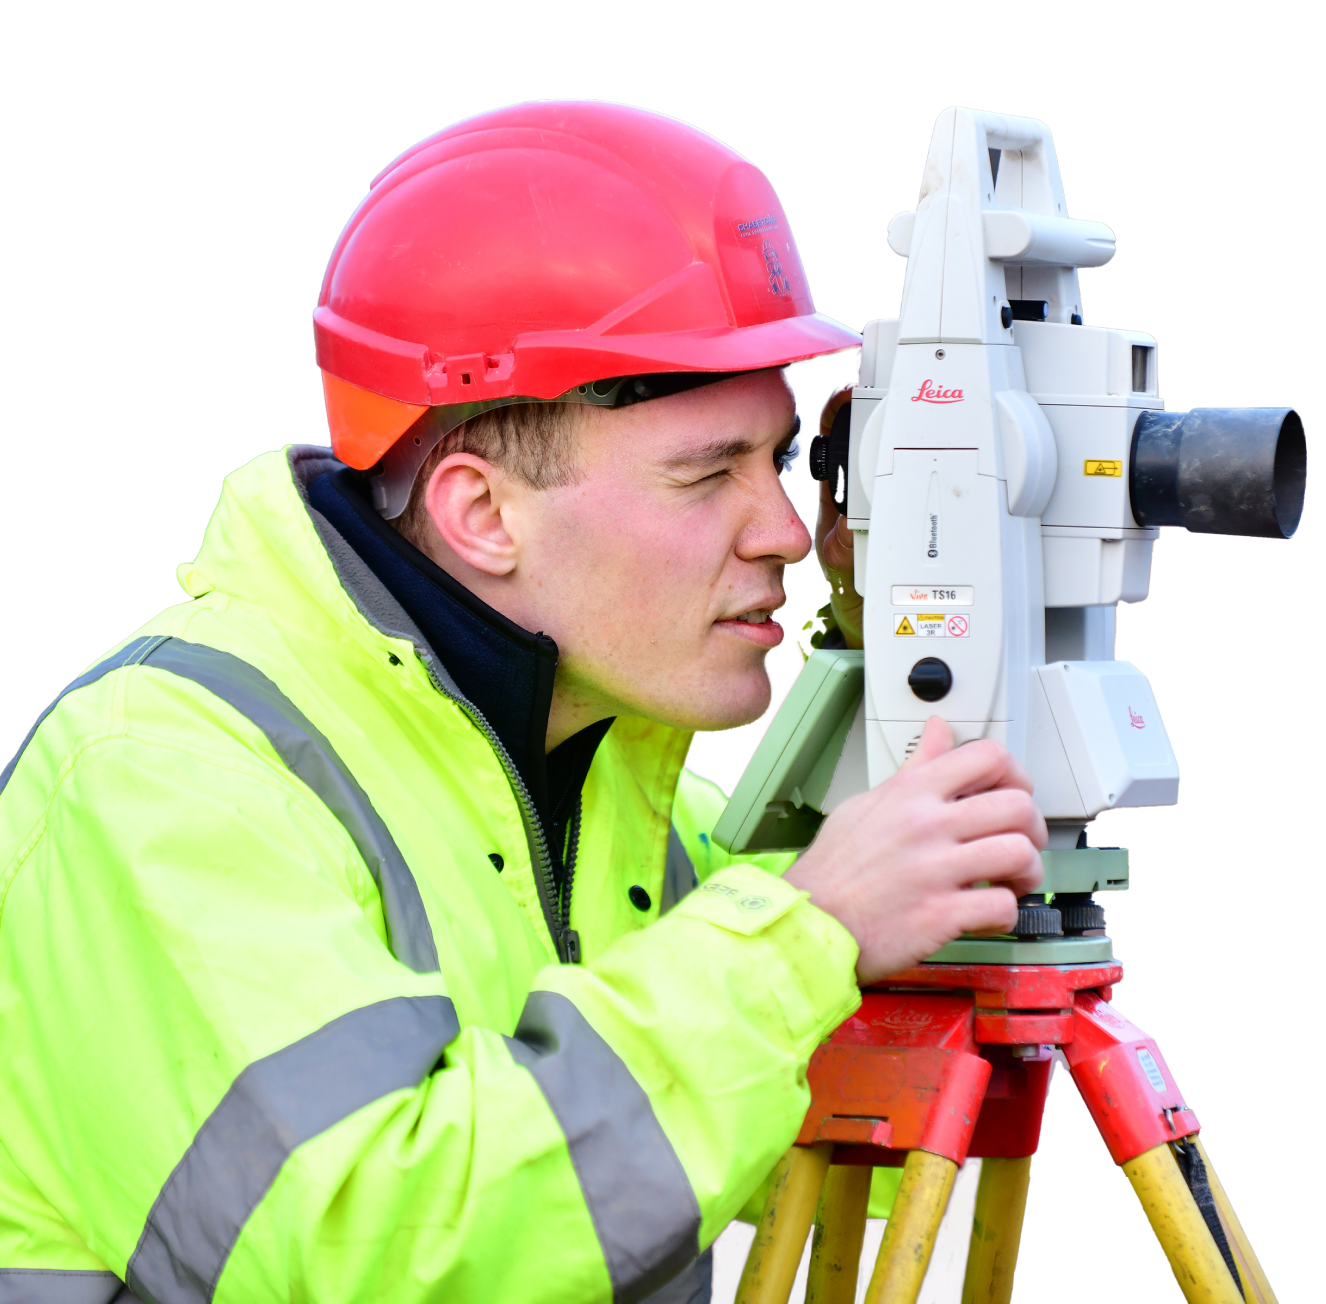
(909, 1234)
(1180, 1229)
(1256, 1289)
(775, 1254)
(996, 1232)
(840, 1228)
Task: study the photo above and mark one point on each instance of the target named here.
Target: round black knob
(1036, 919)
(930, 679)
(1006, 316)
(819, 458)
(1080, 913)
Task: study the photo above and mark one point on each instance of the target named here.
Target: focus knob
(930, 679)
(819, 458)
(831, 456)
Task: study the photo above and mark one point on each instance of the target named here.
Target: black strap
(1194, 1173)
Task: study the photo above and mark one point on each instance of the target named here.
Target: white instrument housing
(987, 482)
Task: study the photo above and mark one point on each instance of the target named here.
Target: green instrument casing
(777, 805)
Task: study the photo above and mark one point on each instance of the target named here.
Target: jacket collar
(504, 670)
(267, 545)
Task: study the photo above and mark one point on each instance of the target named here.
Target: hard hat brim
(405, 387)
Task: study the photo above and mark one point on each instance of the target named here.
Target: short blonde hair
(534, 443)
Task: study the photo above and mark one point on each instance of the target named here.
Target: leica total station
(1006, 470)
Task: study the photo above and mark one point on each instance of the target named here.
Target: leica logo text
(928, 393)
(904, 1018)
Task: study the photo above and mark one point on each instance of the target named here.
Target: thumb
(837, 547)
(936, 739)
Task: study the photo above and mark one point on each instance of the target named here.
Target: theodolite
(1005, 469)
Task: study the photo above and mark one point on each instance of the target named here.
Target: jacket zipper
(569, 934)
(565, 939)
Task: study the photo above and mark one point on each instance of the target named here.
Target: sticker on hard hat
(931, 624)
(756, 225)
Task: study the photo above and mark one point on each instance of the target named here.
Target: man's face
(658, 572)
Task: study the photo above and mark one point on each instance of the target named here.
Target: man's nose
(775, 530)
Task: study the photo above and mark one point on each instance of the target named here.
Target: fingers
(834, 538)
(831, 408)
(985, 910)
(1009, 858)
(975, 767)
(828, 517)
(936, 740)
(833, 543)
(1001, 810)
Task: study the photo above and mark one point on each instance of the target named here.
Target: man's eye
(784, 458)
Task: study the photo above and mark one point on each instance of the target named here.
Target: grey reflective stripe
(309, 756)
(693, 1286)
(276, 1104)
(312, 758)
(60, 1286)
(128, 655)
(644, 1211)
(678, 873)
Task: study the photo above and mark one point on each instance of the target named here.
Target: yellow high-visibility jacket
(274, 1027)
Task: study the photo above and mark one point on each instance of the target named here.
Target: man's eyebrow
(716, 451)
(710, 454)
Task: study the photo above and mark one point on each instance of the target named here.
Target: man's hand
(897, 866)
(833, 543)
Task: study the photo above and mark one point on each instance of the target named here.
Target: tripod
(951, 1060)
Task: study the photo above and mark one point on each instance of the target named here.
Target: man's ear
(463, 498)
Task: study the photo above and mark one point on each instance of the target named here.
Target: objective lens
(1219, 470)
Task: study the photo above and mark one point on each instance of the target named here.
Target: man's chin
(744, 699)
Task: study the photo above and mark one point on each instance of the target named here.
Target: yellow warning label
(1099, 466)
(904, 627)
(928, 615)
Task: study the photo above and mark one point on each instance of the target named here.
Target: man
(331, 959)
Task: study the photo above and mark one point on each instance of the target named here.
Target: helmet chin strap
(392, 479)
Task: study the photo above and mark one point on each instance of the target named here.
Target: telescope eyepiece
(1220, 471)
(829, 456)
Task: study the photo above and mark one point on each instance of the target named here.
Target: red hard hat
(541, 247)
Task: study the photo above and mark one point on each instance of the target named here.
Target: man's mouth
(755, 625)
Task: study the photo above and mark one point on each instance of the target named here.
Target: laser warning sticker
(931, 624)
(1102, 466)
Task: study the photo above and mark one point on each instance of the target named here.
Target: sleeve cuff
(818, 953)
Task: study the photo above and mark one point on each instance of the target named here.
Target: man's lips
(756, 625)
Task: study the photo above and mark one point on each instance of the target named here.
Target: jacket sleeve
(222, 1080)
(698, 806)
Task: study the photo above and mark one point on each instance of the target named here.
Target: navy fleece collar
(506, 671)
